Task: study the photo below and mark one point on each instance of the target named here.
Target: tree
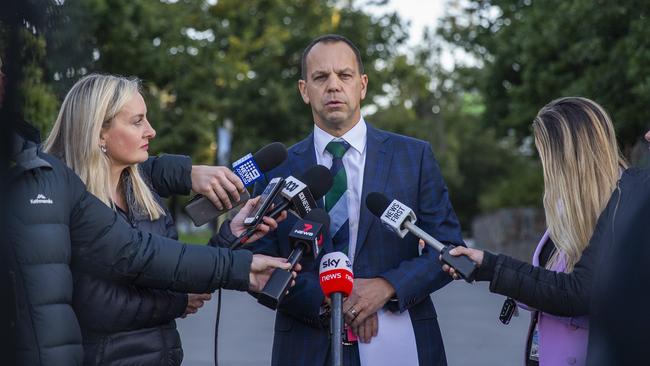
(536, 51)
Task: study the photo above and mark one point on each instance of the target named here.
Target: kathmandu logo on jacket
(40, 199)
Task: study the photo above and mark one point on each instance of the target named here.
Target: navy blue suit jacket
(403, 168)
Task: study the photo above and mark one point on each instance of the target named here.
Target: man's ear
(364, 86)
(302, 87)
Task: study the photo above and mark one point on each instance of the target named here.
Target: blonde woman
(582, 164)
(103, 134)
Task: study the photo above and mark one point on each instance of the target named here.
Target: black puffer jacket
(557, 293)
(620, 320)
(123, 324)
(55, 224)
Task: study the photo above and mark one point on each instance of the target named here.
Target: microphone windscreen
(270, 156)
(335, 274)
(319, 215)
(319, 180)
(377, 203)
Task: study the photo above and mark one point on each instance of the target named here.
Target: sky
(421, 14)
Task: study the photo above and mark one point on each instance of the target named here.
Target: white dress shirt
(354, 162)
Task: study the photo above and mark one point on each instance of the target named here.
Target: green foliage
(202, 64)
(535, 51)
(38, 100)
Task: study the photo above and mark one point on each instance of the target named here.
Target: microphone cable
(216, 329)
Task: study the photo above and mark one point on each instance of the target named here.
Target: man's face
(333, 86)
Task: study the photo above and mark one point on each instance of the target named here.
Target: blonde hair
(581, 162)
(90, 106)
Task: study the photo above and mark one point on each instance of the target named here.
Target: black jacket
(125, 324)
(55, 225)
(562, 294)
(619, 332)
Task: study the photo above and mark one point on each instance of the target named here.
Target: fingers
(234, 179)
(270, 223)
(283, 216)
(367, 329)
(232, 184)
(248, 206)
(263, 263)
(361, 333)
(222, 194)
(214, 199)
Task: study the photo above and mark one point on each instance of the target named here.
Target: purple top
(562, 340)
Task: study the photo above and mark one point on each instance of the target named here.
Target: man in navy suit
(390, 309)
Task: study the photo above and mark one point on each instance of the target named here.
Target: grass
(200, 238)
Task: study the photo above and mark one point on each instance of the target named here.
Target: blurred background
(468, 76)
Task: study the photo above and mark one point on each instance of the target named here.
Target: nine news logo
(246, 169)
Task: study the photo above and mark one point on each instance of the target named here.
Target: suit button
(571, 360)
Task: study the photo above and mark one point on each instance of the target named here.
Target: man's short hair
(328, 38)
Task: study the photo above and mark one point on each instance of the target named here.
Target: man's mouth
(334, 103)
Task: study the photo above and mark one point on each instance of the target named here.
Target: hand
(474, 254)
(262, 267)
(268, 224)
(216, 183)
(367, 329)
(368, 295)
(195, 302)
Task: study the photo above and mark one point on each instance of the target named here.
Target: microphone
(249, 169)
(400, 219)
(299, 197)
(306, 237)
(336, 281)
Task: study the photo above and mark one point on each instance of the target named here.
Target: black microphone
(249, 169)
(306, 237)
(400, 219)
(298, 195)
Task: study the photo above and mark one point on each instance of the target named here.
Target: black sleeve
(131, 307)
(105, 245)
(561, 294)
(224, 237)
(168, 174)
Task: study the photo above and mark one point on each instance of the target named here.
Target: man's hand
(195, 302)
(474, 254)
(216, 183)
(268, 224)
(262, 267)
(367, 329)
(368, 295)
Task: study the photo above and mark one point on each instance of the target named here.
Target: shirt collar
(356, 137)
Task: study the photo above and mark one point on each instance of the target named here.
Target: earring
(103, 148)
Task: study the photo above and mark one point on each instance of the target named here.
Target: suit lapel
(304, 156)
(375, 176)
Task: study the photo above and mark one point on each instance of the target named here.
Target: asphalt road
(468, 317)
